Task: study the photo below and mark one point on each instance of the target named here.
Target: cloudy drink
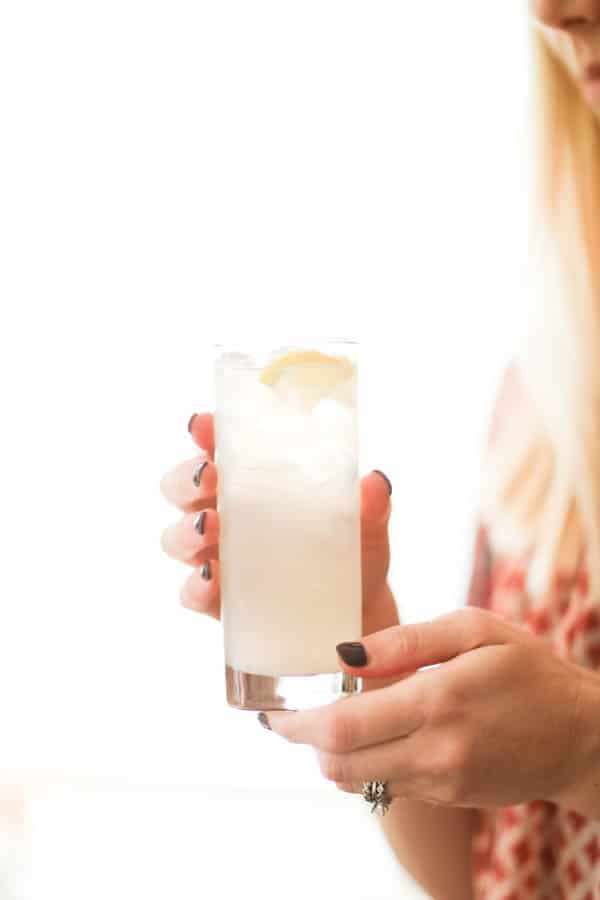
(289, 549)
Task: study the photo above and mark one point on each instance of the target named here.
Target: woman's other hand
(192, 487)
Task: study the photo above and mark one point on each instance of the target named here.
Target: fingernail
(353, 654)
(198, 473)
(206, 571)
(262, 718)
(387, 480)
(191, 422)
(200, 522)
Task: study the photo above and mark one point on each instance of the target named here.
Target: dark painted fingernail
(191, 422)
(200, 522)
(387, 480)
(198, 473)
(206, 571)
(353, 654)
(264, 721)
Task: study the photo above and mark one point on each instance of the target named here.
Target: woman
(492, 760)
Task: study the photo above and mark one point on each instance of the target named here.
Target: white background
(176, 173)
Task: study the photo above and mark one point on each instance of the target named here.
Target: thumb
(375, 509)
(375, 506)
(406, 648)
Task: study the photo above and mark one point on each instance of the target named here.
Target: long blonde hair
(541, 476)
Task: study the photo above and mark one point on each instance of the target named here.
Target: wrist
(581, 792)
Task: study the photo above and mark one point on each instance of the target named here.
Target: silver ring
(376, 793)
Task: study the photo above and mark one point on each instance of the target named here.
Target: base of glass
(294, 692)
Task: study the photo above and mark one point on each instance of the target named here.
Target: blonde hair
(541, 476)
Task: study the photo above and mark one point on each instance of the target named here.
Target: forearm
(434, 845)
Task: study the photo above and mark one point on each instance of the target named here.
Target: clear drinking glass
(286, 435)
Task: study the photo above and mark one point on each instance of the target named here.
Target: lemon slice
(305, 377)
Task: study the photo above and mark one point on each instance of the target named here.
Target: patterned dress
(536, 851)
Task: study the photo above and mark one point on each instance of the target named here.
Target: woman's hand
(501, 721)
(192, 487)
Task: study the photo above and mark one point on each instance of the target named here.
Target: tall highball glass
(286, 434)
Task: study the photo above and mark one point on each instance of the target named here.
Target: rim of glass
(256, 353)
(273, 343)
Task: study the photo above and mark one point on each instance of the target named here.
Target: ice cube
(334, 422)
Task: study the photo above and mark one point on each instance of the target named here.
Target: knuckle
(476, 623)
(459, 755)
(454, 770)
(333, 768)
(450, 795)
(166, 541)
(455, 793)
(346, 788)
(408, 640)
(446, 774)
(338, 732)
(444, 702)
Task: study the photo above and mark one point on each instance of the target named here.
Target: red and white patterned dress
(536, 851)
